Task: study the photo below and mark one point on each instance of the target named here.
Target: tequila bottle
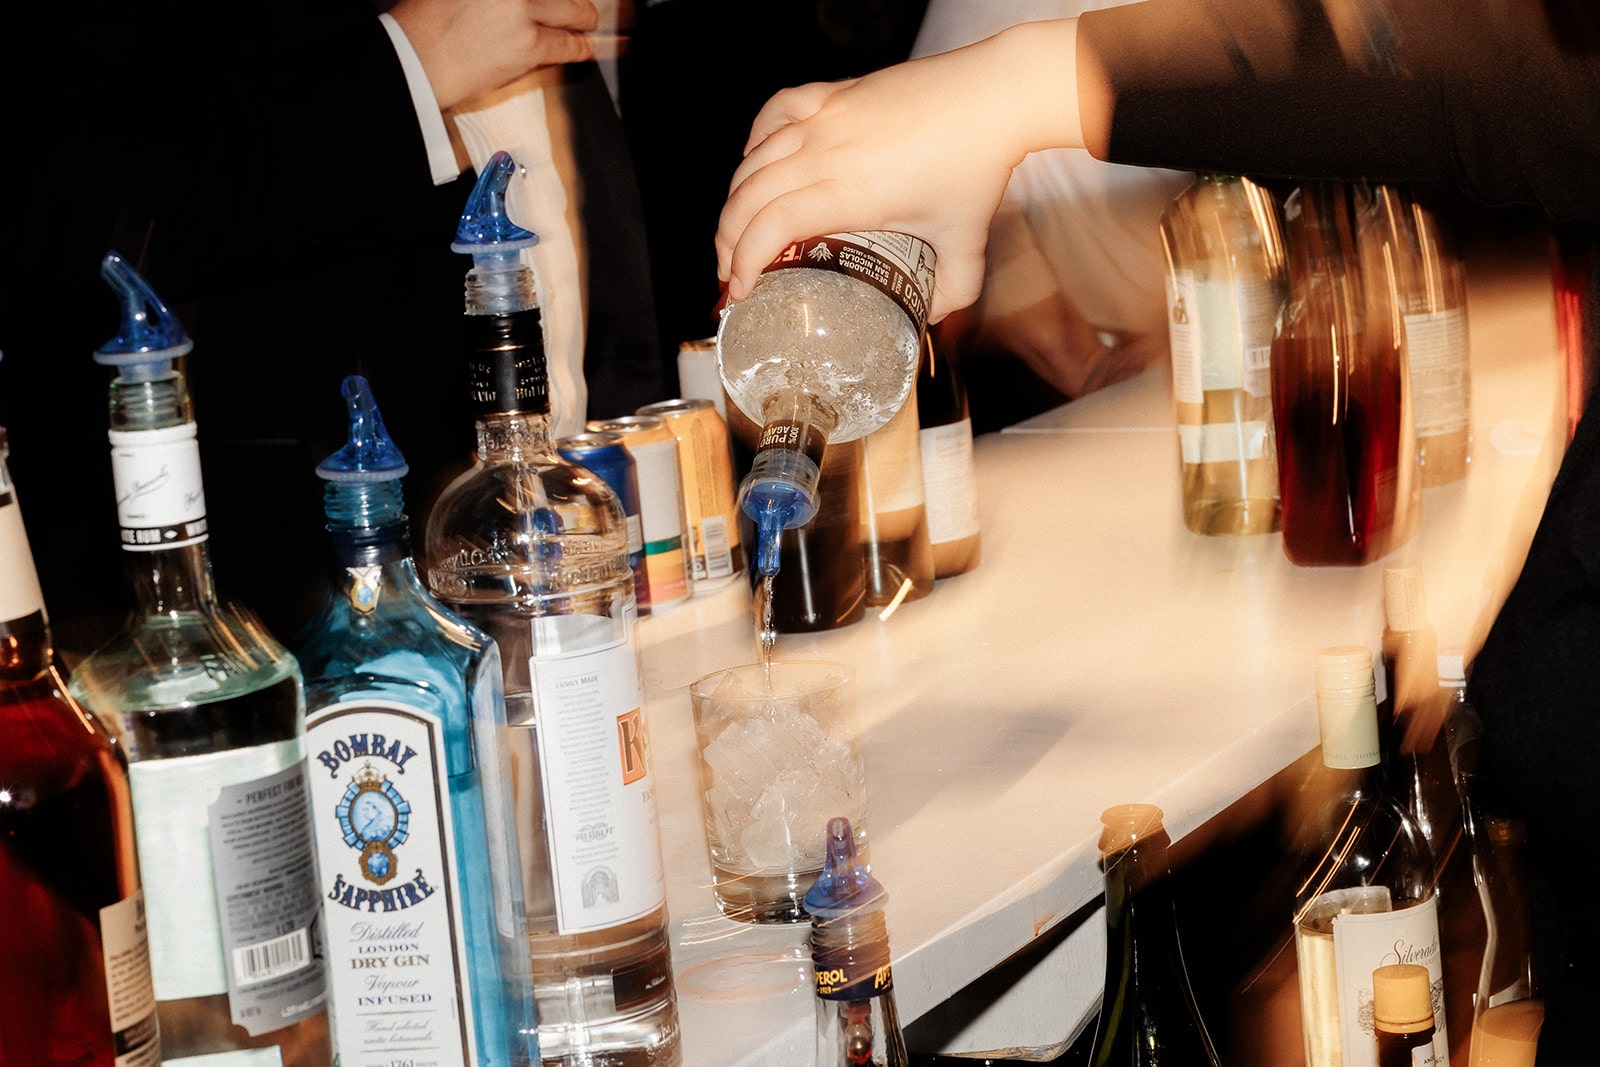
(533, 549)
(77, 988)
(208, 709)
(410, 790)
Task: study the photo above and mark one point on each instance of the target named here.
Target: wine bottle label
(226, 857)
(1338, 948)
(601, 828)
(395, 936)
(20, 596)
(130, 994)
(1220, 334)
(950, 482)
(1436, 350)
(161, 502)
(896, 264)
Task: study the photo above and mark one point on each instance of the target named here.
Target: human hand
(925, 147)
(470, 47)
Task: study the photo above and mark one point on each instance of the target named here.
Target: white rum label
(599, 795)
(160, 500)
(130, 994)
(950, 480)
(392, 923)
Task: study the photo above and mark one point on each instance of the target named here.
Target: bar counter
(1100, 654)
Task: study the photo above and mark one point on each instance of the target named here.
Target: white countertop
(1100, 654)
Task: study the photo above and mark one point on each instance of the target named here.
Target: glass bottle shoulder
(1365, 838)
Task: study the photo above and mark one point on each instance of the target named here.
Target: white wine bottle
(1368, 896)
(949, 473)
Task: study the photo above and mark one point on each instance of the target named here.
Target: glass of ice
(778, 759)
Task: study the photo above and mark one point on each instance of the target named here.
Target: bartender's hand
(471, 47)
(925, 147)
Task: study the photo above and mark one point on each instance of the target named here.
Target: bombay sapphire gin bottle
(533, 549)
(824, 349)
(410, 791)
(208, 710)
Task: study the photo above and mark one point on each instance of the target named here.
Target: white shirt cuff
(441, 155)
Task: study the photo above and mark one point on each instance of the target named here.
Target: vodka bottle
(1225, 285)
(949, 475)
(1402, 1016)
(1508, 1008)
(1411, 715)
(894, 516)
(1148, 1013)
(1337, 357)
(533, 550)
(74, 938)
(857, 1022)
(207, 708)
(1432, 290)
(410, 791)
(824, 349)
(1367, 898)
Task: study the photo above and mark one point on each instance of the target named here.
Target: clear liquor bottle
(858, 1024)
(1148, 1013)
(1368, 895)
(208, 709)
(823, 349)
(77, 989)
(533, 550)
(949, 474)
(1225, 284)
(410, 790)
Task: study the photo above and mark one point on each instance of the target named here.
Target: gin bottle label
(393, 929)
(160, 500)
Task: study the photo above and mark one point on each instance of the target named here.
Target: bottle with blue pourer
(208, 709)
(532, 549)
(823, 350)
(410, 786)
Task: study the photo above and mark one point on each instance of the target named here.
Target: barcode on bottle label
(270, 959)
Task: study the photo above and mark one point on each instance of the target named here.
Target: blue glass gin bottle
(208, 709)
(410, 791)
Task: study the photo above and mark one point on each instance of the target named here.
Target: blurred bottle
(1344, 457)
(857, 1023)
(74, 940)
(1507, 1011)
(1411, 715)
(823, 350)
(1148, 1014)
(894, 518)
(1432, 289)
(1225, 285)
(533, 550)
(209, 711)
(1402, 1016)
(949, 475)
(1368, 895)
(410, 786)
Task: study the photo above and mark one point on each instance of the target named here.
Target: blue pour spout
(844, 885)
(150, 336)
(778, 494)
(364, 490)
(486, 232)
(370, 455)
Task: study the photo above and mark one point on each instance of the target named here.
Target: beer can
(698, 375)
(705, 458)
(661, 508)
(605, 455)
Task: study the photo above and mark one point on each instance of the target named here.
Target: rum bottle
(410, 790)
(857, 1022)
(533, 550)
(1368, 894)
(209, 711)
(1148, 1013)
(949, 474)
(77, 988)
(1337, 357)
(1225, 285)
(823, 349)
